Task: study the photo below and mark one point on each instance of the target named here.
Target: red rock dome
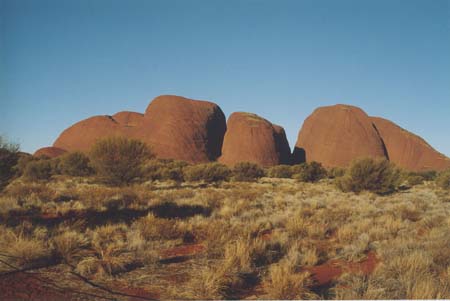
(408, 150)
(50, 152)
(250, 138)
(335, 135)
(180, 128)
(82, 135)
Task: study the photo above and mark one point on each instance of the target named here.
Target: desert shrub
(164, 169)
(38, 170)
(23, 162)
(443, 180)
(111, 254)
(428, 175)
(284, 282)
(376, 175)
(336, 172)
(119, 160)
(309, 172)
(74, 164)
(279, 171)
(9, 156)
(25, 248)
(70, 245)
(208, 172)
(414, 179)
(247, 172)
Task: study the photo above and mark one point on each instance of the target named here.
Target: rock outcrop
(180, 128)
(82, 135)
(174, 127)
(408, 150)
(196, 131)
(336, 135)
(50, 152)
(250, 138)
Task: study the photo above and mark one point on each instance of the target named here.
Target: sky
(62, 61)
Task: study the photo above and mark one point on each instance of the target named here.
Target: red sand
(185, 250)
(325, 273)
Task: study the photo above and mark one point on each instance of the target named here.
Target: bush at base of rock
(208, 172)
(38, 170)
(75, 164)
(119, 160)
(443, 180)
(309, 172)
(336, 172)
(165, 169)
(376, 175)
(246, 172)
(280, 171)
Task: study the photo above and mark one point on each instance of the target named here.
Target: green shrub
(247, 171)
(376, 175)
(9, 156)
(165, 169)
(280, 171)
(429, 175)
(23, 162)
(38, 170)
(309, 172)
(119, 160)
(74, 164)
(414, 179)
(208, 172)
(336, 172)
(443, 180)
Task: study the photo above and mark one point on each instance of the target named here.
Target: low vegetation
(246, 172)
(221, 233)
(376, 175)
(119, 160)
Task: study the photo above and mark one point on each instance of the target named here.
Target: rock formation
(50, 152)
(195, 131)
(179, 128)
(250, 138)
(174, 127)
(335, 135)
(408, 150)
(82, 135)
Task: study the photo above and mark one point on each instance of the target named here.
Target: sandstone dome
(336, 135)
(250, 138)
(184, 129)
(408, 150)
(49, 151)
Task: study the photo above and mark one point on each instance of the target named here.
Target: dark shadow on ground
(92, 218)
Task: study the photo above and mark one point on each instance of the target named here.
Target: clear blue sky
(65, 60)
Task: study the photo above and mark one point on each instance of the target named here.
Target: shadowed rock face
(82, 135)
(49, 151)
(408, 150)
(335, 135)
(179, 128)
(250, 138)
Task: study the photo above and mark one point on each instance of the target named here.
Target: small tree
(247, 171)
(119, 160)
(208, 172)
(9, 156)
(75, 164)
(309, 172)
(377, 175)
